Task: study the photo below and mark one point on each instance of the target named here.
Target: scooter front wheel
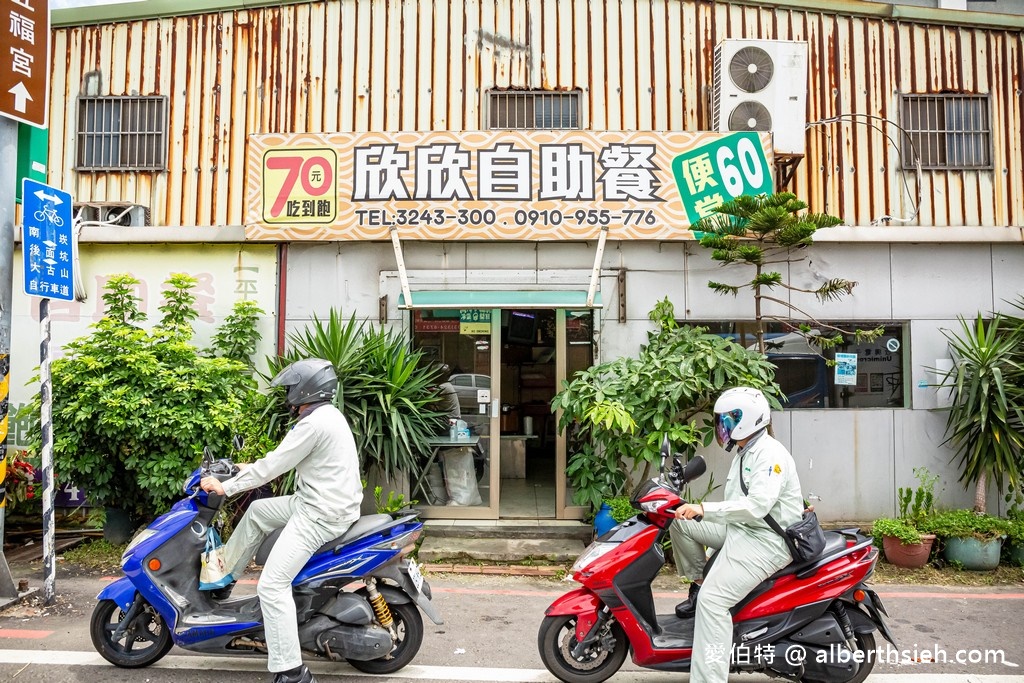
(556, 639)
(409, 627)
(144, 639)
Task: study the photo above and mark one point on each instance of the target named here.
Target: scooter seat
(834, 543)
(362, 527)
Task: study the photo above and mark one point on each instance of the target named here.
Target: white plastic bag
(460, 476)
(214, 574)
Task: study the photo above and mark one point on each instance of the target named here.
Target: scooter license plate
(415, 576)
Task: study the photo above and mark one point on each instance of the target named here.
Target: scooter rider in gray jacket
(328, 494)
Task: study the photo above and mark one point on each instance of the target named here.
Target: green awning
(540, 298)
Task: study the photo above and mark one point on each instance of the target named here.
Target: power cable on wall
(853, 118)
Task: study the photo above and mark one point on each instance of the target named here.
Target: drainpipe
(595, 274)
(282, 291)
(402, 275)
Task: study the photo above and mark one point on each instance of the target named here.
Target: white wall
(854, 459)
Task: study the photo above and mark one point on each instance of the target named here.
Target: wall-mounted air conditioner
(112, 213)
(761, 85)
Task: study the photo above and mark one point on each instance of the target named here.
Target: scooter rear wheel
(556, 639)
(409, 626)
(145, 640)
(866, 646)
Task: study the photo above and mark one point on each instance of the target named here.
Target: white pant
(745, 558)
(302, 535)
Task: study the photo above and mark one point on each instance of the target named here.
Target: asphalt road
(490, 635)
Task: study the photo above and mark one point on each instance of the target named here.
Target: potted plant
(904, 540)
(985, 422)
(972, 540)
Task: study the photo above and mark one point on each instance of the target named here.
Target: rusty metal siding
(361, 65)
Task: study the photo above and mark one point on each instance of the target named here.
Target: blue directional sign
(46, 241)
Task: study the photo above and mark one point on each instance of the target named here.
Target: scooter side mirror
(238, 442)
(207, 457)
(666, 452)
(693, 469)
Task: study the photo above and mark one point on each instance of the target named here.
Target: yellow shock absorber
(380, 608)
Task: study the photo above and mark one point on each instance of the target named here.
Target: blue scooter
(356, 598)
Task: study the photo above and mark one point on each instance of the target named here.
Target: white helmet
(739, 414)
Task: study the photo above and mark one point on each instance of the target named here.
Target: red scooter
(812, 622)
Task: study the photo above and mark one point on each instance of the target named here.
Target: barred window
(519, 109)
(948, 131)
(122, 134)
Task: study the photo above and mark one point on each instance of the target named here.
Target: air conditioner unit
(84, 213)
(761, 85)
(113, 213)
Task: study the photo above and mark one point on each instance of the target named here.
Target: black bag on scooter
(805, 538)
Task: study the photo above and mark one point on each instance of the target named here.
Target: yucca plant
(985, 423)
(385, 389)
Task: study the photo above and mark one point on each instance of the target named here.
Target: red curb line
(16, 633)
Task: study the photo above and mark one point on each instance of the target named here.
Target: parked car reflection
(466, 386)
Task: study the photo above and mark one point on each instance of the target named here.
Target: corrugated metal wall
(371, 65)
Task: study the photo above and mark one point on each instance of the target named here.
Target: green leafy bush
(967, 524)
(617, 413)
(133, 408)
(907, 533)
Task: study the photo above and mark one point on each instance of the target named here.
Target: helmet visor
(724, 424)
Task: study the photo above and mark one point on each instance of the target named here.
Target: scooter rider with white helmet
(749, 551)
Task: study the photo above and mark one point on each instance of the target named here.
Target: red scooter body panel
(827, 583)
(598, 574)
(580, 603)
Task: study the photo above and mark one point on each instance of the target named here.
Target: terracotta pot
(912, 555)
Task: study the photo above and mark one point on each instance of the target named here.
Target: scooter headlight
(651, 505)
(593, 552)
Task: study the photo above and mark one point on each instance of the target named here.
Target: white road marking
(442, 673)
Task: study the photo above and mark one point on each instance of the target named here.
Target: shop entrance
(505, 366)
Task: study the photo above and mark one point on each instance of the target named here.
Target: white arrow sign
(21, 96)
(52, 197)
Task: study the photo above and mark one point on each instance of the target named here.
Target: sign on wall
(500, 184)
(25, 60)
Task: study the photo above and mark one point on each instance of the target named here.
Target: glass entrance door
(505, 366)
(461, 477)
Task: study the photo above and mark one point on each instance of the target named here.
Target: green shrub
(385, 389)
(906, 532)
(133, 408)
(966, 524)
(617, 413)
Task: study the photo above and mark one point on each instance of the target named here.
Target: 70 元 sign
(299, 186)
(720, 171)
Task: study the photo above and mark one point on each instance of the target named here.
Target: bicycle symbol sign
(46, 241)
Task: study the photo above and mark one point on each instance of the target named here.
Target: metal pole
(8, 178)
(45, 428)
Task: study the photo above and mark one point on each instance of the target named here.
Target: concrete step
(436, 548)
(507, 529)
(506, 540)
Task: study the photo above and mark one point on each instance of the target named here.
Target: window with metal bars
(122, 134)
(947, 131)
(522, 109)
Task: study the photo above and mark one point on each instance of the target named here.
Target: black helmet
(308, 381)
